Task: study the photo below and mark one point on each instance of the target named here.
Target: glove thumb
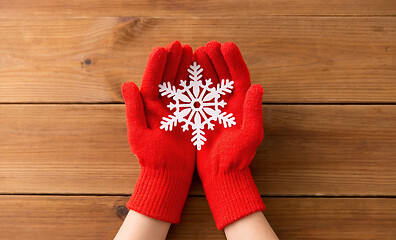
(252, 123)
(136, 119)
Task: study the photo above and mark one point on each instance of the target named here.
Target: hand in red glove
(223, 162)
(167, 159)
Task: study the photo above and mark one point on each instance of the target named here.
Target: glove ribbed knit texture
(232, 196)
(160, 194)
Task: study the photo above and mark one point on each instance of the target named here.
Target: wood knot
(86, 62)
(121, 211)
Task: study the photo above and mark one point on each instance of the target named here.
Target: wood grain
(307, 150)
(194, 8)
(296, 59)
(94, 217)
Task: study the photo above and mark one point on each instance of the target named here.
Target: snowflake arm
(195, 71)
(168, 123)
(228, 120)
(198, 138)
(166, 89)
(225, 86)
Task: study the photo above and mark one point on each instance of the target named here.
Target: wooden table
(327, 166)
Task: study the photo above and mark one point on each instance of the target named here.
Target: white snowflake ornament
(197, 105)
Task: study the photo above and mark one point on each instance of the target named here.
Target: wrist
(232, 195)
(139, 226)
(160, 194)
(254, 226)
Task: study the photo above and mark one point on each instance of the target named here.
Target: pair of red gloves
(168, 158)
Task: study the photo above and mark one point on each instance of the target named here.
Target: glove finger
(203, 60)
(185, 62)
(172, 62)
(136, 119)
(213, 50)
(236, 65)
(252, 123)
(153, 73)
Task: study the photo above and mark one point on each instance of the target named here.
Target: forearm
(137, 226)
(252, 227)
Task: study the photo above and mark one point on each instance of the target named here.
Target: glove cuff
(232, 196)
(160, 194)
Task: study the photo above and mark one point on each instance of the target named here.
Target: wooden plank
(307, 150)
(296, 59)
(195, 8)
(93, 217)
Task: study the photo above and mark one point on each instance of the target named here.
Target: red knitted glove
(167, 159)
(223, 163)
